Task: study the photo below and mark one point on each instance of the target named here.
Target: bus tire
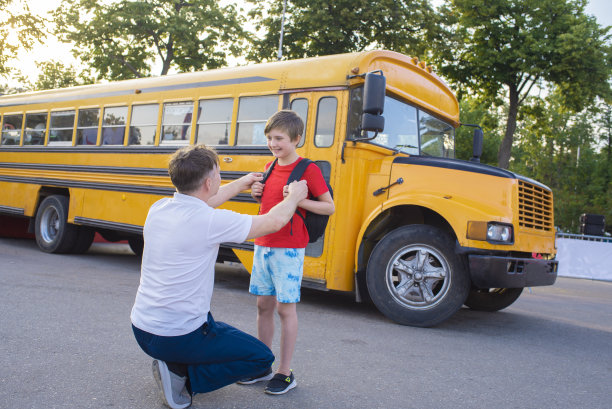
(492, 299)
(84, 238)
(137, 245)
(415, 277)
(53, 233)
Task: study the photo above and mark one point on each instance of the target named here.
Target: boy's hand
(257, 189)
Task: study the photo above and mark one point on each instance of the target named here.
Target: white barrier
(582, 256)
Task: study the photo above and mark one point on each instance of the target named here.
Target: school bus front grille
(535, 207)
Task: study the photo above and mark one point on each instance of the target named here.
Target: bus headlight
(493, 232)
(499, 233)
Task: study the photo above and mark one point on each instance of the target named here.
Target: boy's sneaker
(171, 385)
(265, 376)
(280, 384)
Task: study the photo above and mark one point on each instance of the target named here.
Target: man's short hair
(190, 166)
(288, 121)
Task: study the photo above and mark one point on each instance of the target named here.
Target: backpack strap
(296, 174)
(299, 170)
(267, 172)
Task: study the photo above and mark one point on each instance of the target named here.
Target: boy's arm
(323, 205)
(280, 214)
(230, 190)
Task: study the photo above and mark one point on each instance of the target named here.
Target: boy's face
(280, 144)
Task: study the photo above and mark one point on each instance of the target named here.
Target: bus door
(319, 110)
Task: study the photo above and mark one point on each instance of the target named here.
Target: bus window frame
(22, 113)
(46, 129)
(300, 97)
(125, 125)
(76, 125)
(279, 106)
(157, 123)
(174, 142)
(48, 142)
(335, 121)
(232, 121)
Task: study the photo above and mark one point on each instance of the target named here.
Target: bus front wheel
(492, 299)
(53, 233)
(414, 276)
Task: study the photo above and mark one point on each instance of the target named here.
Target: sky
(53, 49)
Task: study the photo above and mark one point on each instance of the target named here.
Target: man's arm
(231, 189)
(280, 214)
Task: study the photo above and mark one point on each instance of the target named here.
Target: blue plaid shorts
(277, 271)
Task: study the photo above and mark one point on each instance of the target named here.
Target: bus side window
(326, 122)
(214, 121)
(176, 122)
(87, 126)
(11, 129)
(253, 112)
(300, 106)
(61, 126)
(35, 129)
(113, 125)
(143, 125)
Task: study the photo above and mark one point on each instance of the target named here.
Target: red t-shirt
(294, 233)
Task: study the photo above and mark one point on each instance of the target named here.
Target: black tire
(53, 233)
(492, 299)
(85, 236)
(415, 277)
(137, 245)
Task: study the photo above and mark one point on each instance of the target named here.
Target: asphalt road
(66, 342)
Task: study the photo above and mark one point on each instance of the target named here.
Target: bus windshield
(407, 129)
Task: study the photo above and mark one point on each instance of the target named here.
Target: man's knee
(266, 305)
(286, 310)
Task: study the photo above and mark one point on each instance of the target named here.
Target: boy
(279, 257)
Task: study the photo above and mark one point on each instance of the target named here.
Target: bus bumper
(511, 272)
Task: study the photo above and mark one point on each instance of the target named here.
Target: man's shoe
(171, 385)
(280, 384)
(265, 376)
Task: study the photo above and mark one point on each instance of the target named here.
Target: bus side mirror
(477, 145)
(373, 102)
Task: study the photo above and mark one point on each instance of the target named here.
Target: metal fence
(603, 239)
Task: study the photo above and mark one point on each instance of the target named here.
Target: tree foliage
(501, 49)
(54, 74)
(323, 27)
(123, 39)
(18, 29)
(561, 149)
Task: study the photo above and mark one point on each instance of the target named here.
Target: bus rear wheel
(53, 233)
(414, 276)
(492, 299)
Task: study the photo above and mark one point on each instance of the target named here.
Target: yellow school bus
(416, 230)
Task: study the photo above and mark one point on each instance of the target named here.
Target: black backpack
(315, 223)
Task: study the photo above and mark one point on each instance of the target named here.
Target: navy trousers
(216, 354)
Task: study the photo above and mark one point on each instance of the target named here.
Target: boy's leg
(265, 318)
(289, 330)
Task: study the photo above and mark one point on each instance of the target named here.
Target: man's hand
(296, 190)
(249, 179)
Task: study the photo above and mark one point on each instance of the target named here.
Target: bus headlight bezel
(491, 232)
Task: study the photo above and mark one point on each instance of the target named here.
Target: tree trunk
(505, 149)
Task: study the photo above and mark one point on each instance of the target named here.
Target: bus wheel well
(43, 193)
(389, 220)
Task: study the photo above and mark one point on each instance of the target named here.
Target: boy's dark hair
(288, 121)
(190, 165)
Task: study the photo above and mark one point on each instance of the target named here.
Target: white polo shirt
(182, 236)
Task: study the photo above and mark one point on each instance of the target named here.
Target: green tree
(502, 49)
(19, 29)
(323, 27)
(476, 111)
(558, 147)
(122, 39)
(54, 74)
